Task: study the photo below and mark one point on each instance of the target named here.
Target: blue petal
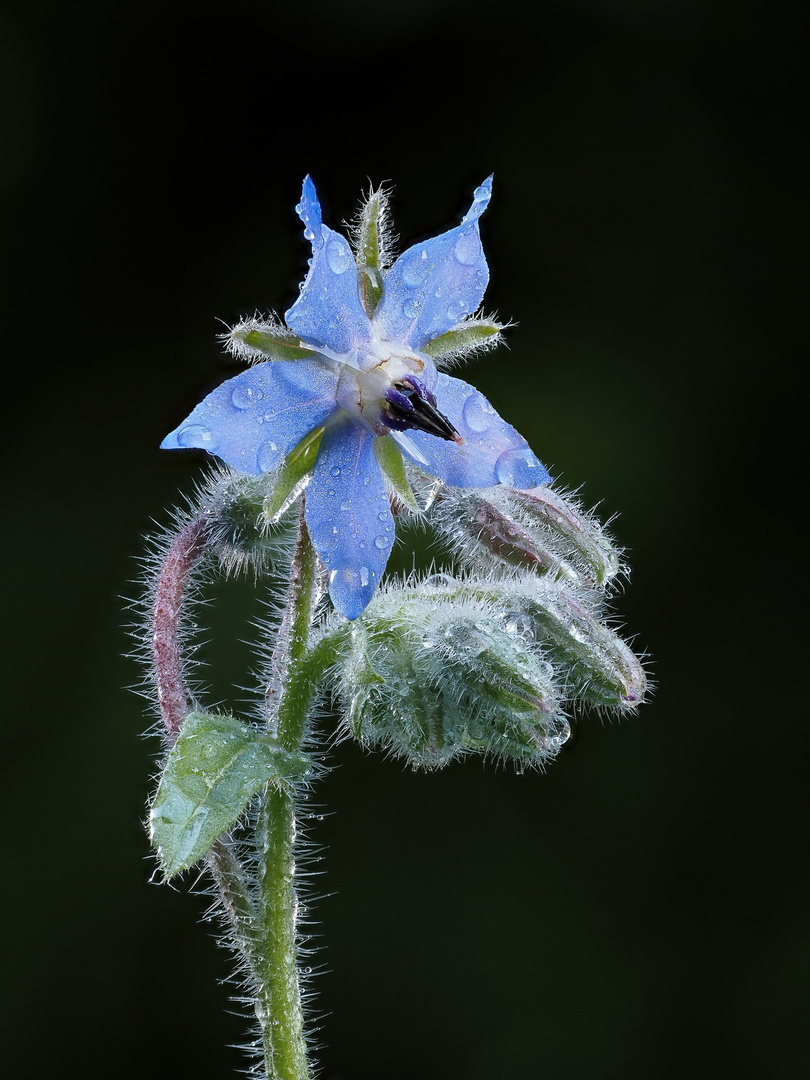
(492, 452)
(254, 419)
(434, 285)
(349, 517)
(328, 312)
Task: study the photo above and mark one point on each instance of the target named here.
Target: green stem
(276, 968)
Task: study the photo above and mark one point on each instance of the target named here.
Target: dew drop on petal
(468, 248)
(381, 542)
(518, 468)
(457, 310)
(414, 270)
(410, 308)
(335, 470)
(478, 413)
(267, 456)
(338, 256)
(199, 436)
(244, 397)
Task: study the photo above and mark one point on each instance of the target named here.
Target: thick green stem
(276, 969)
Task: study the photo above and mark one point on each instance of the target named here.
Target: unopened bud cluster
(494, 659)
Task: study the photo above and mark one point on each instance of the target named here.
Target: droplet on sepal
(518, 624)
(440, 581)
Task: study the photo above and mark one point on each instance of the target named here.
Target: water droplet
(414, 270)
(519, 625)
(335, 470)
(478, 413)
(338, 256)
(364, 575)
(381, 542)
(518, 468)
(411, 308)
(197, 435)
(268, 455)
(559, 732)
(440, 581)
(244, 397)
(382, 516)
(468, 247)
(457, 310)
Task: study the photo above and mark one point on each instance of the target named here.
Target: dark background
(642, 909)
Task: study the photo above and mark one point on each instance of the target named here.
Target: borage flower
(355, 379)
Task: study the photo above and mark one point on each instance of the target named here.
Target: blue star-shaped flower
(363, 336)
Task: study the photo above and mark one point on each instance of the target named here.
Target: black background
(642, 909)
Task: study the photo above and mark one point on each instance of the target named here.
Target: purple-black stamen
(409, 404)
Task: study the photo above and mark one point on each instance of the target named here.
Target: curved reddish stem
(186, 550)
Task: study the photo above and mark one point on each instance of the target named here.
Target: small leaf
(297, 465)
(213, 771)
(389, 458)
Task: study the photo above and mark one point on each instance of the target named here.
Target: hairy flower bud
(431, 681)
(234, 507)
(595, 666)
(535, 530)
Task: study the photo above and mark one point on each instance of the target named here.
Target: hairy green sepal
(369, 277)
(297, 466)
(474, 334)
(281, 346)
(389, 458)
(214, 769)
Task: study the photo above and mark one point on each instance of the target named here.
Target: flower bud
(431, 681)
(234, 506)
(535, 530)
(595, 664)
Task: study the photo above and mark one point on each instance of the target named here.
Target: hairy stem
(185, 552)
(279, 1005)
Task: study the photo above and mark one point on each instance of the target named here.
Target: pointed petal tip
(309, 211)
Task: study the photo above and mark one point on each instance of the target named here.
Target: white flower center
(380, 365)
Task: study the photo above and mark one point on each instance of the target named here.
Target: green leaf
(389, 458)
(213, 771)
(297, 464)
